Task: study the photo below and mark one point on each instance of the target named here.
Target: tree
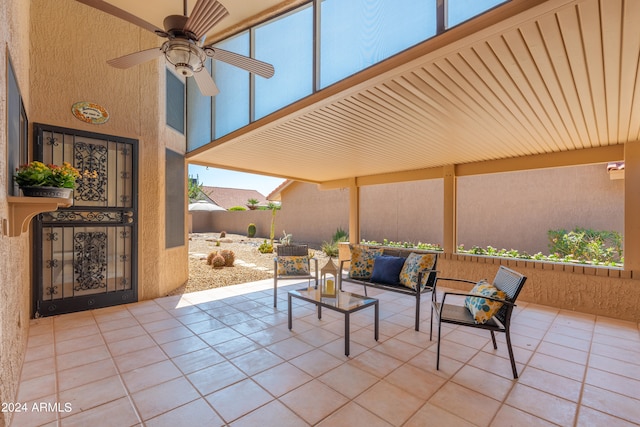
(194, 189)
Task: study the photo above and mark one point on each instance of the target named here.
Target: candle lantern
(329, 279)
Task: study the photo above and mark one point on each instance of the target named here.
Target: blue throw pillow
(386, 270)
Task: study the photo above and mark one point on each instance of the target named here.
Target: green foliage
(331, 248)
(586, 245)
(392, 244)
(252, 203)
(251, 230)
(237, 208)
(265, 247)
(272, 232)
(40, 175)
(194, 189)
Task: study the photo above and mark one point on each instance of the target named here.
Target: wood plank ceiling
(528, 78)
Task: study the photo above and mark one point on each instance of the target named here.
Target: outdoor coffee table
(345, 302)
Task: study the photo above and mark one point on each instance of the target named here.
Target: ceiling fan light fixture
(184, 55)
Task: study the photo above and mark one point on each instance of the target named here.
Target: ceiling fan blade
(205, 83)
(135, 58)
(204, 16)
(250, 64)
(122, 14)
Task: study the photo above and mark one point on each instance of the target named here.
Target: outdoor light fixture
(184, 55)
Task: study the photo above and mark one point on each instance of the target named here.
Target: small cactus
(229, 257)
(251, 230)
(210, 257)
(218, 261)
(223, 234)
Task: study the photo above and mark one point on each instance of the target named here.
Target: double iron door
(85, 256)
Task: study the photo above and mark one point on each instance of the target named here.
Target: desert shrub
(229, 257)
(237, 208)
(217, 261)
(223, 234)
(265, 248)
(331, 248)
(582, 244)
(210, 257)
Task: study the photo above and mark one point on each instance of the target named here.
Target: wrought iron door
(85, 256)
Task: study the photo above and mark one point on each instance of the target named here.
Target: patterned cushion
(483, 309)
(412, 266)
(293, 265)
(386, 269)
(362, 258)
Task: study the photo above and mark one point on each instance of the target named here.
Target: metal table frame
(313, 296)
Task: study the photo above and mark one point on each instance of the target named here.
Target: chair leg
(275, 291)
(438, 352)
(431, 325)
(513, 360)
(493, 338)
(418, 311)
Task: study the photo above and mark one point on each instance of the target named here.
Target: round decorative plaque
(90, 112)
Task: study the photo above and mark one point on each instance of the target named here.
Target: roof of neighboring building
(230, 197)
(276, 194)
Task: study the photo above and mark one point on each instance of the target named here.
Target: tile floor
(226, 357)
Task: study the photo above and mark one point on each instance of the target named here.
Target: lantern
(329, 279)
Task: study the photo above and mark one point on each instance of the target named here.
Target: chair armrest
(463, 294)
(456, 280)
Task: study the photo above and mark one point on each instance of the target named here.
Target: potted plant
(39, 180)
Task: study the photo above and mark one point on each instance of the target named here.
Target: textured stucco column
(632, 208)
(449, 205)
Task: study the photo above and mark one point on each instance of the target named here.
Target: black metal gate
(85, 256)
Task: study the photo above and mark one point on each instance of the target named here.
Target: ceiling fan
(185, 48)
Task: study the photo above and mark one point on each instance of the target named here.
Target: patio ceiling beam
(587, 156)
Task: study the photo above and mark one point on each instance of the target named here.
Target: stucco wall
(515, 210)
(71, 43)
(509, 210)
(14, 251)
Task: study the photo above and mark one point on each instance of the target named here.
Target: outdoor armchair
(488, 306)
(292, 262)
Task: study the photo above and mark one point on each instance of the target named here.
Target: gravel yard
(250, 265)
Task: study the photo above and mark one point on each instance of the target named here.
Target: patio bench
(391, 269)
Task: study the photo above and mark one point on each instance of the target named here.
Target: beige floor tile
(236, 347)
(268, 336)
(172, 334)
(398, 349)
(196, 360)
(282, 378)
(93, 394)
(123, 334)
(206, 325)
(85, 374)
(509, 416)
(82, 357)
(196, 413)
(40, 352)
(34, 388)
(630, 356)
(473, 406)
(69, 333)
(118, 412)
(216, 377)
(183, 346)
(562, 352)
(591, 417)
(557, 366)
(150, 375)
(415, 381)
(349, 380)
(137, 359)
(351, 415)
(620, 367)
(495, 364)
(41, 339)
(426, 361)
(316, 362)
(238, 399)
(30, 416)
(290, 348)
(273, 414)
(543, 405)
(256, 361)
(430, 415)
(313, 401)
(376, 363)
(551, 383)
(484, 382)
(611, 403)
(130, 345)
(389, 402)
(116, 324)
(164, 397)
(617, 383)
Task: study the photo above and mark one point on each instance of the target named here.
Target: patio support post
(631, 208)
(354, 212)
(449, 219)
